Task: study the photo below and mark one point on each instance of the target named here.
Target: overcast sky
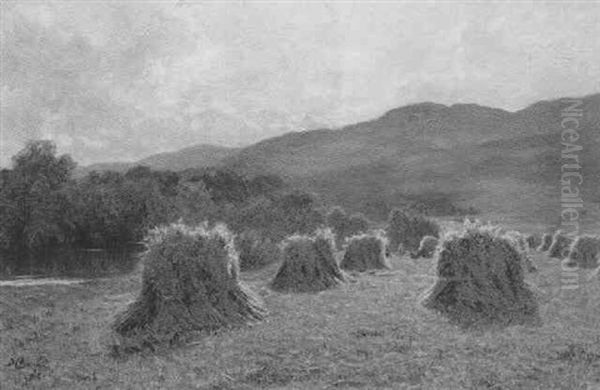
(116, 81)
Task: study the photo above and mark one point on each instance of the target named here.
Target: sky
(117, 81)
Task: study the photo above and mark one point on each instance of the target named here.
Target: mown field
(371, 333)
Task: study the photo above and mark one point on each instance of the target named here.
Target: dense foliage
(42, 204)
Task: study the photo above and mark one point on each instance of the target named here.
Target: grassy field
(371, 333)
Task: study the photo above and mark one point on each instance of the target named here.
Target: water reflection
(71, 262)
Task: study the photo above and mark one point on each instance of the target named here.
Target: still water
(70, 262)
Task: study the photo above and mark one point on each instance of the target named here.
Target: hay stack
(546, 243)
(480, 281)
(189, 283)
(520, 243)
(560, 245)
(308, 264)
(256, 251)
(365, 252)
(426, 248)
(409, 230)
(534, 241)
(585, 252)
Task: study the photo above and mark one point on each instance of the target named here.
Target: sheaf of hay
(308, 264)
(365, 252)
(481, 280)
(585, 251)
(189, 284)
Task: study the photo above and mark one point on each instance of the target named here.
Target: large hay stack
(546, 242)
(308, 265)
(560, 245)
(365, 252)
(409, 230)
(189, 284)
(480, 281)
(585, 252)
(427, 248)
(256, 251)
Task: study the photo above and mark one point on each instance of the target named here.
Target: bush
(480, 281)
(546, 243)
(585, 251)
(256, 251)
(426, 249)
(560, 245)
(344, 226)
(189, 284)
(365, 252)
(308, 264)
(409, 230)
(534, 241)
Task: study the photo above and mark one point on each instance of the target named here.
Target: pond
(69, 262)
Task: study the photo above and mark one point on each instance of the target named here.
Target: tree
(32, 203)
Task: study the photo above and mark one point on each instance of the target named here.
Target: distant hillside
(505, 164)
(193, 157)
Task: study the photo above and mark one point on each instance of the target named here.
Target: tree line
(42, 204)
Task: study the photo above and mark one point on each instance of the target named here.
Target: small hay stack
(520, 243)
(308, 264)
(534, 241)
(409, 230)
(189, 284)
(480, 281)
(585, 252)
(256, 251)
(560, 245)
(365, 252)
(426, 248)
(546, 243)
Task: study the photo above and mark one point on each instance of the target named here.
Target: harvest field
(369, 333)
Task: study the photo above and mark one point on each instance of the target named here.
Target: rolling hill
(505, 164)
(193, 157)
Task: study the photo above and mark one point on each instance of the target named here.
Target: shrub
(308, 264)
(256, 251)
(546, 243)
(344, 226)
(480, 281)
(426, 248)
(534, 241)
(365, 252)
(560, 245)
(189, 284)
(409, 230)
(585, 251)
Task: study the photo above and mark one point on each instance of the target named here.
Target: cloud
(118, 81)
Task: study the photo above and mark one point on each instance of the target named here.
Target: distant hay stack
(546, 243)
(585, 252)
(409, 230)
(520, 243)
(189, 284)
(480, 281)
(256, 251)
(308, 264)
(426, 248)
(534, 241)
(365, 252)
(560, 245)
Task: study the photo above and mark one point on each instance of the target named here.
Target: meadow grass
(369, 333)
